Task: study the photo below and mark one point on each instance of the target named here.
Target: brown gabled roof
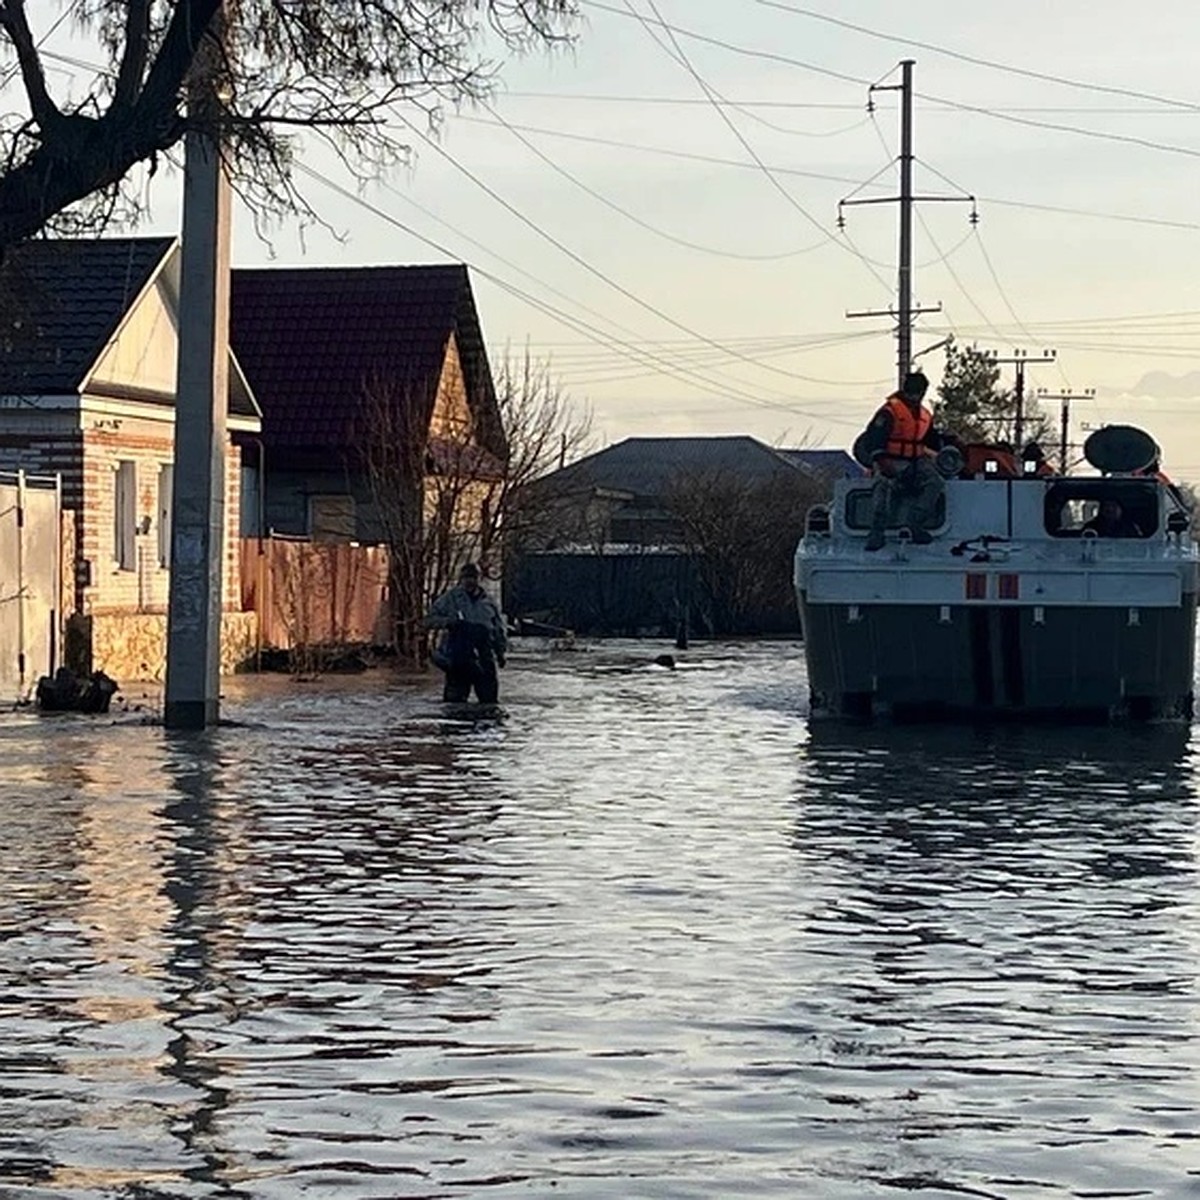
(311, 339)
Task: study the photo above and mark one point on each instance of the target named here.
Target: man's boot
(921, 537)
(874, 540)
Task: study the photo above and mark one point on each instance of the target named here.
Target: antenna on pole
(905, 309)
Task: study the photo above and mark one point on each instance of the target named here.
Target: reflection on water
(647, 935)
(1002, 936)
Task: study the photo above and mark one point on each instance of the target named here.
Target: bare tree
(742, 535)
(447, 488)
(339, 69)
(545, 430)
(394, 449)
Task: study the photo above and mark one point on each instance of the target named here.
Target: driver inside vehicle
(1111, 521)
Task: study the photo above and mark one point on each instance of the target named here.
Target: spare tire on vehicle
(1120, 449)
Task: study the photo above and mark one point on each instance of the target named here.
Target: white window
(166, 491)
(331, 518)
(125, 515)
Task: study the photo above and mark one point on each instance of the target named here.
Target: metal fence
(643, 594)
(30, 580)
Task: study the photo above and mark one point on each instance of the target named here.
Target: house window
(331, 518)
(125, 515)
(166, 491)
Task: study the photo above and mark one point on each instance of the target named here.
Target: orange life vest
(908, 429)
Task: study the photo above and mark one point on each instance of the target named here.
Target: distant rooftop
(642, 465)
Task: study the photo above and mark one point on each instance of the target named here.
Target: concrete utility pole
(904, 275)
(202, 389)
(905, 311)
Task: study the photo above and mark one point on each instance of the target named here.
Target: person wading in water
(473, 643)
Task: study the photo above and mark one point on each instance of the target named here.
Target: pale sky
(683, 270)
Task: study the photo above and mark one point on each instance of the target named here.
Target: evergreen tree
(974, 406)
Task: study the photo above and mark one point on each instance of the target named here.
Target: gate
(30, 578)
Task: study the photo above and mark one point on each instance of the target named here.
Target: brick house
(88, 353)
(342, 358)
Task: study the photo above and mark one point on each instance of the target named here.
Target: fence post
(21, 657)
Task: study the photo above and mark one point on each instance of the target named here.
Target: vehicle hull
(979, 660)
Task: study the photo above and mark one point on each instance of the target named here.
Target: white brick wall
(52, 443)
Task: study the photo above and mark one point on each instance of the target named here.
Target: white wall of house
(125, 536)
(143, 354)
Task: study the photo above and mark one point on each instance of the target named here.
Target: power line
(716, 160)
(612, 98)
(685, 374)
(991, 64)
(767, 55)
(635, 219)
(593, 270)
(959, 106)
(1080, 131)
(713, 96)
(962, 287)
(664, 151)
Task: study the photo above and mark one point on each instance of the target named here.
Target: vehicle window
(1106, 507)
(860, 504)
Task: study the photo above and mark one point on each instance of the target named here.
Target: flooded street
(647, 936)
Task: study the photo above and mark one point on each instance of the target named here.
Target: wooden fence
(316, 593)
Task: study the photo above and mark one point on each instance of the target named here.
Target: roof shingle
(312, 340)
(65, 299)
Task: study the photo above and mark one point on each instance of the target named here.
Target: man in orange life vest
(899, 446)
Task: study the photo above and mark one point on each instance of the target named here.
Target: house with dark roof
(827, 465)
(346, 362)
(625, 539)
(88, 350)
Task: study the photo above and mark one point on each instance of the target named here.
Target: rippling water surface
(647, 936)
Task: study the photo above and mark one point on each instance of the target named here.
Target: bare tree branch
(137, 47)
(13, 22)
(334, 66)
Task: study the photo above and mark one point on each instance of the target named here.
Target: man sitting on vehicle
(899, 446)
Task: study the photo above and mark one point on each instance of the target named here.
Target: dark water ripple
(648, 936)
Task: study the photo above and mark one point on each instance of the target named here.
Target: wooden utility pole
(202, 390)
(1064, 418)
(1019, 359)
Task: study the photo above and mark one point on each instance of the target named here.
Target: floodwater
(646, 936)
